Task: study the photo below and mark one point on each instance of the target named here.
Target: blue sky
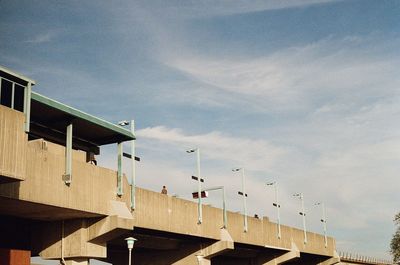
(302, 92)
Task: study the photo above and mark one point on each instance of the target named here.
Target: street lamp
(133, 160)
(323, 221)
(277, 205)
(199, 208)
(302, 213)
(130, 241)
(224, 215)
(244, 194)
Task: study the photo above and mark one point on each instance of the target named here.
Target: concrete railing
(165, 213)
(354, 258)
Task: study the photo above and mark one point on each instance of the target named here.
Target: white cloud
(257, 154)
(42, 38)
(192, 9)
(297, 77)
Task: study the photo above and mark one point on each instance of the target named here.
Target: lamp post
(224, 215)
(130, 241)
(133, 160)
(277, 205)
(199, 208)
(323, 221)
(244, 194)
(302, 213)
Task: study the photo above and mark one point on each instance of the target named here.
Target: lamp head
(236, 169)
(123, 123)
(271, 183)
(130, 241)
(298, 195)
(191, 151)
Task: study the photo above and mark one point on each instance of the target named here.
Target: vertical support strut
(224, 208)
(1, 81)
(304, 218)
(244, 200)
(119, 177)
(133, 159)
(27, 106)
(68, 156)
(200, 210)
(278, 210)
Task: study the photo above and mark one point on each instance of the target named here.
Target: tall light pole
(277, 205)
(323, 221)
(200, 212)
(302, 213)
(133, 160)
(130, 241)
(224, 215)
(244, 194)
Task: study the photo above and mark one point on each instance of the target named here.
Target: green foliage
(395, 242)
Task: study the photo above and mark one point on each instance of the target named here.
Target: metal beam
(133, 183)
(119, 176)
(68, 156)
(27, 106)
(82, 115)
(42, 131)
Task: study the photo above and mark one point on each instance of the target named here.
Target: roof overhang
(13, 76)
(49, 119)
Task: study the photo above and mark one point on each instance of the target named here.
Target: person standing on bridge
(164, 190)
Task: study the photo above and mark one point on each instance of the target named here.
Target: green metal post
(119, 177)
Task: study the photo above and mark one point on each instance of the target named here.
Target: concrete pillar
(78, 261)
(334, 260)
(294, 253)
(331, 261)
(189, 253)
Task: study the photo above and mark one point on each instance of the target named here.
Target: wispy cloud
(42, 38)
(299, 76)
(193, 9)
(217, 145)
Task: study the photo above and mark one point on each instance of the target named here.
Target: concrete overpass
(56, 203)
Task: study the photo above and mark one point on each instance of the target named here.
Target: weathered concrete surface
(12, 145)
(88, 219)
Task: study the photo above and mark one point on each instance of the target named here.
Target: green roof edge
(82, 115)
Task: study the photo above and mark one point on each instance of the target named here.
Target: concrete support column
(294, 253)
(185, 254)
(334, 260)
(78, 261)
(330, 261)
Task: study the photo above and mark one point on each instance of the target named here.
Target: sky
(302, 92)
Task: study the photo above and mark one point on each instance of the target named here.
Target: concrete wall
(162, 212)
(12, 145)
(41, 165)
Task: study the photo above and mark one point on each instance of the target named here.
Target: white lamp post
(200, 212)
(133, 160)
(302, 213)
(323, 221)
(277, 205)
(244, 194)
(224, 215)
(130, 241)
